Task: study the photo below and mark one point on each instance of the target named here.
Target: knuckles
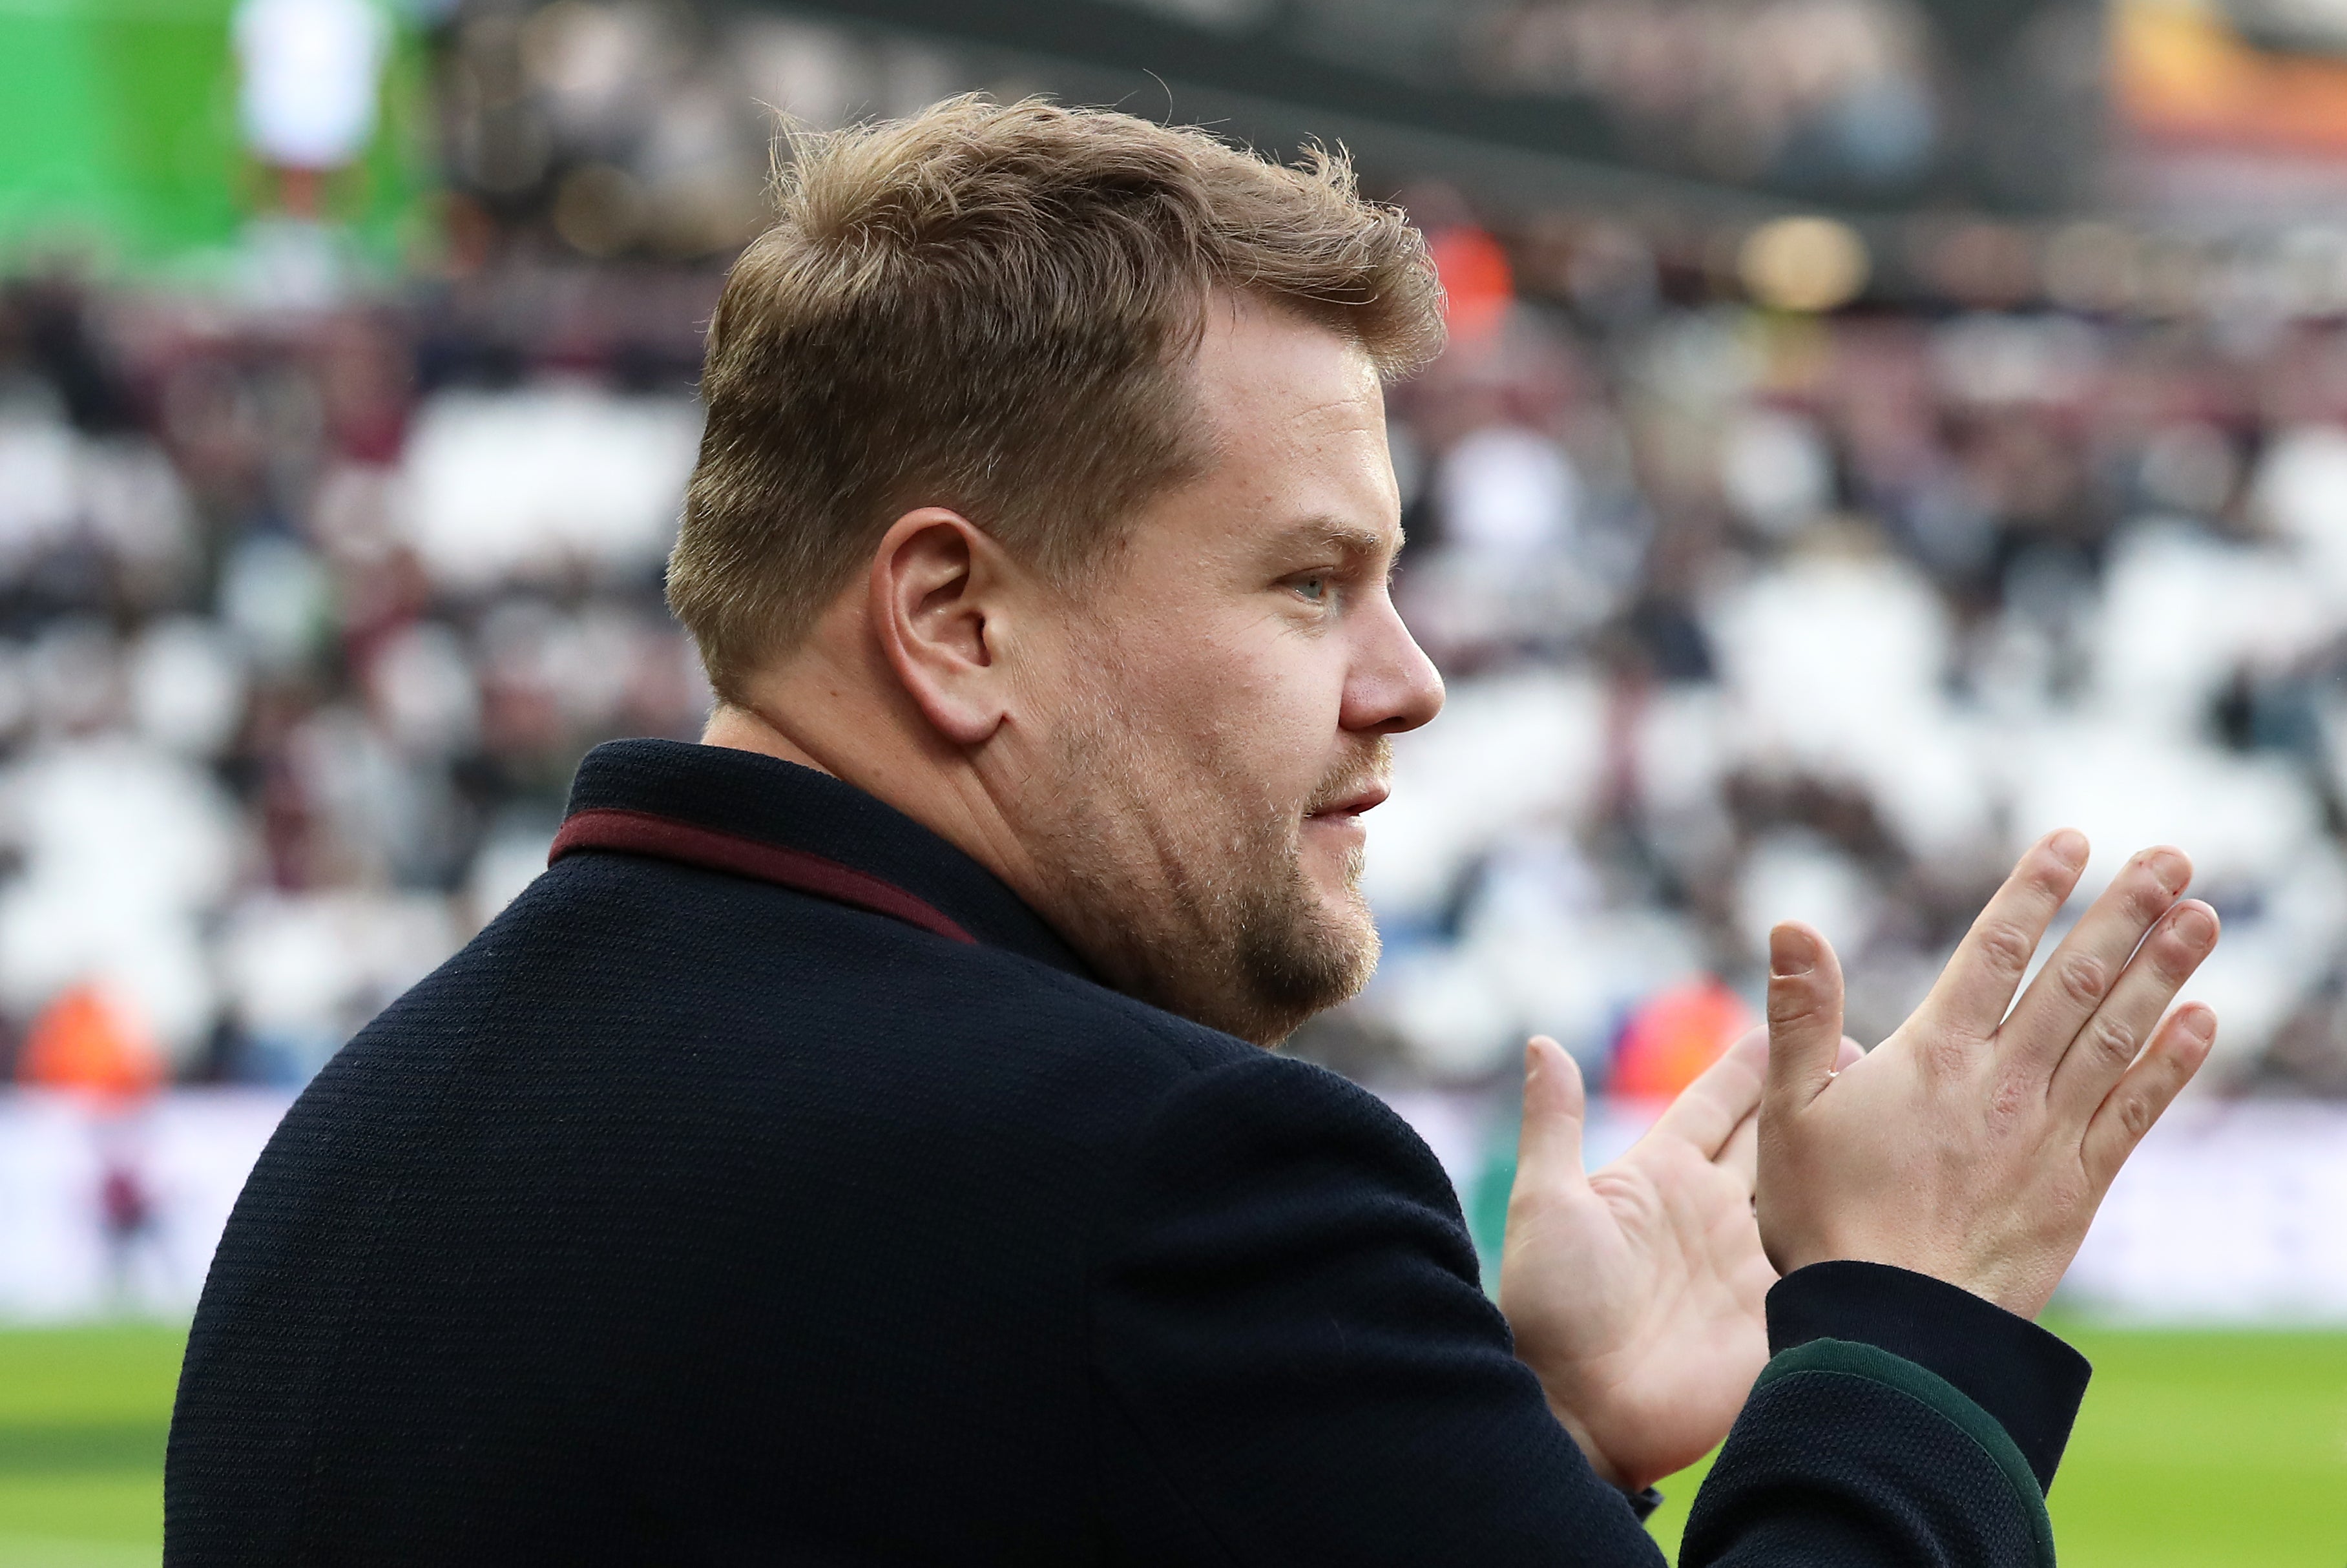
(2011, 1101)
(2152, 885)
(2007, 947)
(2112, 1042)
(2084, 978)
(2145, 902)
(2051, 880)
(1946, 1055)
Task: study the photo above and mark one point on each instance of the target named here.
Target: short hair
(988, 307)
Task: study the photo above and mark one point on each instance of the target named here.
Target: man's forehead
(1258, 361)
(1295, 417)
(1277, 393)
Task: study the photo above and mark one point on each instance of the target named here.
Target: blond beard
(1185, 899)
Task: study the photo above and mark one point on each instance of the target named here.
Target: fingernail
(2201, 1024)
(1792, 952)
(2172, 869)
(2069, 847)
(2194, 926)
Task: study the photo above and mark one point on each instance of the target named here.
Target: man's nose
(1393, 686)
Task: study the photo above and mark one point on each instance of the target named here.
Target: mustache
(1350, 777)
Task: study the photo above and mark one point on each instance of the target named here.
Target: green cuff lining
(1848, 1358)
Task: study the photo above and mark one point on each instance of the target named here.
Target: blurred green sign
(120, 132)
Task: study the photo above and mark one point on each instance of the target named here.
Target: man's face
(1215, 724)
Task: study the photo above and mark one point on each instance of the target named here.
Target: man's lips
(1368, 798)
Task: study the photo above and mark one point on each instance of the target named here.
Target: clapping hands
(1972, 1145)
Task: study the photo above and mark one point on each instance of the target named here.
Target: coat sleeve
(1921, 1423)
(1293, 1362)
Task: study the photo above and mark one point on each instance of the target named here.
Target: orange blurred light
(89, 1043)
(1477, 286)
(2182, 75)
(1674, 1035)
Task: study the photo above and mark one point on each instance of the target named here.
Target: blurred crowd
(1756, 599)
(1746, 614)
(301, 634)
(1805, 92)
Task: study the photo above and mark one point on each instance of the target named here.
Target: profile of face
(1212, 722)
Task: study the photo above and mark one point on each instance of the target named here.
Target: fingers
(1548, 1149)
(2085, 967)
(1740, 1156)
(1709, 1109)
(2146, 1090)
(1978, 984)
(1804, 1015)
(2107, 1044)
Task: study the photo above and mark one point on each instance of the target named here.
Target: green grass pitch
(2196, 1449)
(83, 1412)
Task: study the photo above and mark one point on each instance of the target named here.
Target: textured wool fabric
(1974, 1343)
(1855, 1472)
(687, 1216)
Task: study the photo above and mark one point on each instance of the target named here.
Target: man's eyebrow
(1353, 538)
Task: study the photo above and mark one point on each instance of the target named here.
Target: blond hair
(987, 307)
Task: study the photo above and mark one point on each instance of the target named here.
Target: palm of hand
(1636, 1293)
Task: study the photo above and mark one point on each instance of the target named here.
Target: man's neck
(739, 729)
(955, 804)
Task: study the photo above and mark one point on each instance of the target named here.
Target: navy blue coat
(768, 1185)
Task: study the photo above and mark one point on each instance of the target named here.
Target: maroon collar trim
(644, 833)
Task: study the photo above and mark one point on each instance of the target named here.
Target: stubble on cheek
(1183, 884)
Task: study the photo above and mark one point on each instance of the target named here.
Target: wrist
(2019, 1284)
(2027, 1380)
(1607, 1471)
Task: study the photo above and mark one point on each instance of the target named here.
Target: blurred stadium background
(1875, 432)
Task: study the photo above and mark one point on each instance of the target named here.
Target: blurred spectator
(311, 71)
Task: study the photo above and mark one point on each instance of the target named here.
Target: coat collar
(761, 817)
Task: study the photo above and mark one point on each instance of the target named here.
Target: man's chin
(1321, 963)
(1345, 939)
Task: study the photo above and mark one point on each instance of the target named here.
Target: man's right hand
(1972, 1145)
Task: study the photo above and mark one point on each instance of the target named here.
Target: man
(860, 1146)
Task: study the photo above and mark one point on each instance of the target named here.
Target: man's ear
(938, 596)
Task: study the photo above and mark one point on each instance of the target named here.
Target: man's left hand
(1636, 1293)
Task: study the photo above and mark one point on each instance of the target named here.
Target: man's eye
(1315, 589)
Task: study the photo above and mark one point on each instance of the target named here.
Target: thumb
(1804, 1014)
(1548, 1150)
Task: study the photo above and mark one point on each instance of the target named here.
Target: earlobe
(936, 604)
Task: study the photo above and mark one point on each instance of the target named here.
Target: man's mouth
(1349, 807)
